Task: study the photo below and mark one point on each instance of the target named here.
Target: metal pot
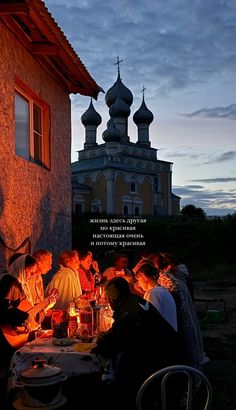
(40, 385)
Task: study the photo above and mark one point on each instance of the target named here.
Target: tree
(193, 212)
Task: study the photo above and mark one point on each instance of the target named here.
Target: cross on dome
(118, 61)
(143, 91)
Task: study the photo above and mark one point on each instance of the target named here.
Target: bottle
(106, 318)
(86, 318)
(97, 280)
(73, 325)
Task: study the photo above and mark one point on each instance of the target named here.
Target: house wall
(34, 202)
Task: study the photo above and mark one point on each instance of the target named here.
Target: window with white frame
(32, 128)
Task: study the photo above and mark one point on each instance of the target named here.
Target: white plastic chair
(190, 376)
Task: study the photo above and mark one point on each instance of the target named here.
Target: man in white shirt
(66, 280)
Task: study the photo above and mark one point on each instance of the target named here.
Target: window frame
(33, 100)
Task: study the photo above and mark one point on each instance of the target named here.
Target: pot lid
(40, 370)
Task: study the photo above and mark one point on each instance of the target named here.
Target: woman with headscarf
(24, 268)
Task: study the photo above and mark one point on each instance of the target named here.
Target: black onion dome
(112, 133)
(91, 116)
(119, 109)
(143, 115)
(118, 89)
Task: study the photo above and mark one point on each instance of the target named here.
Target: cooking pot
(40, 385)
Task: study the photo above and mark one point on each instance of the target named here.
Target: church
(120, 177)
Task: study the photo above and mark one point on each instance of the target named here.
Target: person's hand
(94, 264)
(50, 306)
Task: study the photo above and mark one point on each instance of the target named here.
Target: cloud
(203, 158)
(225, 156)
(217, 112)
(194, 186)
(157, 40)
(214, 180)
(213, 202)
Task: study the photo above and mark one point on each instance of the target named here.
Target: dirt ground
(219, 338)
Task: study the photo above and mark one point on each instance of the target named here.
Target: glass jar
(60, 322)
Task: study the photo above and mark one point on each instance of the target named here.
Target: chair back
(192, 378)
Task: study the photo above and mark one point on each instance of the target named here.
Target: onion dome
(112, 133)
(118, 89)
(119, 109)
(91, 116)
(143, 115)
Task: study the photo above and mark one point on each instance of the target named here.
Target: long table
(74, 360)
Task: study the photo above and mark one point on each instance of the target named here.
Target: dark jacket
(11, 295)
(139, 342)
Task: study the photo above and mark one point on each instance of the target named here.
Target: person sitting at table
(44, 264)
(24, 268)
(139, 342)
(88, 267)
(179, 270)
(147, 276)
(11, 294)
(119, 268)
(66, 280)
(187, 319)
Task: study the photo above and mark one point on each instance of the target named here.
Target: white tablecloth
(66, 358)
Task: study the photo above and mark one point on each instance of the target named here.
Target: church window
(136, 211)
(78, 209)
(133, 187)
(32, 128)
(126, 210)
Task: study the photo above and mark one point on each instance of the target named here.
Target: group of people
(155, 322)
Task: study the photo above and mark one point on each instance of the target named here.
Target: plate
(64, 341)
(84, 347)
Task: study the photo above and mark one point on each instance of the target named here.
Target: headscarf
(17, 269)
